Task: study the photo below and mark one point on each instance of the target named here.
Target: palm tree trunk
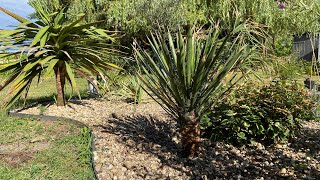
(60, 73)
(190, 136)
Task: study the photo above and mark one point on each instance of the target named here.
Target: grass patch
(46, 91)
(33, 149)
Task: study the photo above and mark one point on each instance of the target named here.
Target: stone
(283, 171)
(260, 146)
(129, 165)
(38, 139)
(95, 156)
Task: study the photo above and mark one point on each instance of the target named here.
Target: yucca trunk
(190, 135)
(60, 73)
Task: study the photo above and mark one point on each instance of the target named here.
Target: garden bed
(35, 149)
(140, 142)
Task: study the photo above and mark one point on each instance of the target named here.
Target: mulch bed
(140, 142)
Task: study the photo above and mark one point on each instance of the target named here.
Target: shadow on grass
(31, 102)
(216, 160)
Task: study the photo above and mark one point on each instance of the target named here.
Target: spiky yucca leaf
(183, 73)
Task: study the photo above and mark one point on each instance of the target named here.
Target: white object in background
(92, 89)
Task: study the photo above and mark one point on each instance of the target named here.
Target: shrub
(283, 45)
(288, 68)
(267, 114)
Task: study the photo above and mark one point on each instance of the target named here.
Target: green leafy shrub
(288, 68)
(267, 114)
(283, 45)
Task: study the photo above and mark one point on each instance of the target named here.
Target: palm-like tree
(52, 43)
(183, 74)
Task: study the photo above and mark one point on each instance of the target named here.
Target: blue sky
(19, 7)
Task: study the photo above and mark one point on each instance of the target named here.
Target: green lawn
(33, 149)
(46, 90)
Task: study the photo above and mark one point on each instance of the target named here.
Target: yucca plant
(51, 44)
(185, 74)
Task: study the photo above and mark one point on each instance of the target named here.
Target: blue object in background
(20, 7)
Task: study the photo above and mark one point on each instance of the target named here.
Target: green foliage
(86, 143)
(116, 81)
(184, 72)
(299, 16)
(52, 44)
(134, 89)
(42, 109)
(283, 45)
(289, 68)
(124, 85)
(144, 15)
(267, 114)
(94, 9)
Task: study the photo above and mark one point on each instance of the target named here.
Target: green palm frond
(35, 48)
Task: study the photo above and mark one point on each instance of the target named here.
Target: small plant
(288, 68)
(134, 89)
(283, 45)
(42, 109)
(85, 149)
(268, 114)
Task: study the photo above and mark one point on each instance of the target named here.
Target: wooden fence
(303, 47)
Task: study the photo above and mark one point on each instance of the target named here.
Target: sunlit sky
(19, 7)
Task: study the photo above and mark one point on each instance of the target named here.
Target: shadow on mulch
(216, 160)
(308, 142)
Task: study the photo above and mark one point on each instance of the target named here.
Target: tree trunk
(60, 73)
(190, 135)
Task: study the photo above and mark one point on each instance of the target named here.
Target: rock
(260, 146)
(283, 171)
(271, 164)
(129, 165)
(204, 177)
(38, 139)
(239, 177)
(95, 156)
(153, 167)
